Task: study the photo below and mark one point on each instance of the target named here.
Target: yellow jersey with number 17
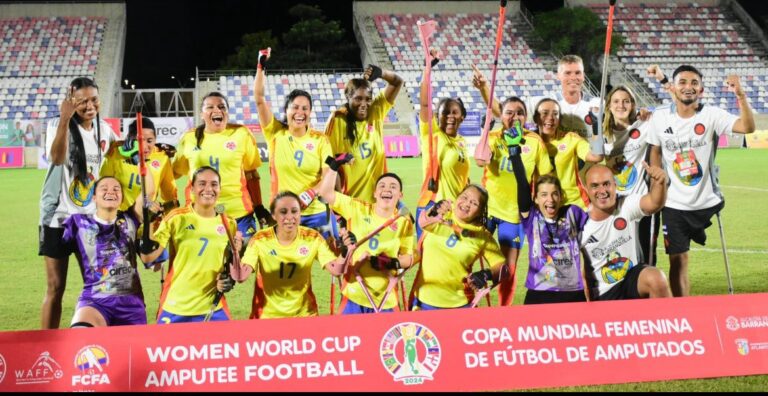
(127, 174)
(284, 272)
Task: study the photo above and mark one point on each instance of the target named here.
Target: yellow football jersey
(499, 177)
(451, 158)
(196, 245)
(232, 152)
(296, 163)
(392, 241)
(448, 254)
(127, 174)
(368, 149)
(565, 154)
(284, 272)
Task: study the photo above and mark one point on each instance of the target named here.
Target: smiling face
(359, 102)
(601, 187)
(148, 136)
(387, 192)
(468, 206)
(687, 87)
(287, 213)
(109, 194)
(450, 118)
(621, 106)
(547, 118)
(548, 199)
(297, 113)
(215, 114)
(571, 76)
(513, 111)
(87, 99)
(206, 187)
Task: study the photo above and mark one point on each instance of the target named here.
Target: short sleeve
(251, 159)
(251, 255)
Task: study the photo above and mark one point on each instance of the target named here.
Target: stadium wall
(704, 3)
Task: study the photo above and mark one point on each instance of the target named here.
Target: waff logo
(44, 370)
(410, 352)
(91, 361)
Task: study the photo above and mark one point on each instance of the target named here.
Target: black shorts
(682, 226)
(52, 243)
(547, 297)
(627, 288)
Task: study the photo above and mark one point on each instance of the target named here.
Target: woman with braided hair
(76, 143)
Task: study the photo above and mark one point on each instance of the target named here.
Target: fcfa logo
(742, 345)
(410, 352)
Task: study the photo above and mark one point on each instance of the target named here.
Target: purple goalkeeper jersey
(105, 253)
(553, 250)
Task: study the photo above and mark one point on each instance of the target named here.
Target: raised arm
(394, 82)
(425, 102)
(746, 121)
(262, 106)
(657, 195)
(481, 83)
(67, 109)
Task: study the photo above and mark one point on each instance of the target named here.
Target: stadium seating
(675, 34)
(327, 92)
(38, 58)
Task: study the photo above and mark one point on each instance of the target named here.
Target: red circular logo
(231, 145)
(156, 164)
(562, 147)
(588, 119)
(634, 133)
(620, 223)
(699, 129)
(526, 149)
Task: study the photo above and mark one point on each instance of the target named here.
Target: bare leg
(89, 315)
(652, 283)
(56, 273)
(506, 288)
(678, 274)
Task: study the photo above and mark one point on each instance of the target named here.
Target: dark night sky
(171, 37)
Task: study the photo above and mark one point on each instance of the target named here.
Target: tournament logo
(624, 173)
(616, 268)
(410, 352)
(731, 323)
(82, 195)
(91, 361)
(44, 370)
(699, 129)
(3, 368)
(634, 133)
(620, 224)
(742, 345)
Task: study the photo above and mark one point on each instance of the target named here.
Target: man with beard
(684, 136)
(358, 128)
(614, 266)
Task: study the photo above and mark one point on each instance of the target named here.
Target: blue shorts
(418, 214)
(320, 223)
(351, 308)
(167, 317)
(247, 226)
(510, 234)
(117, 310)
(422, 306)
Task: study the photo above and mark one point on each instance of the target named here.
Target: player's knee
(655, 282)
(56, 287)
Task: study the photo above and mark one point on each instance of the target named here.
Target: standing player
(358, 128)
(450, 148)
(103, 243)
(613, 267)
(454, 238)
(231, 150)
(282, 257)
(565, 150)
(385, 253)
(196, 237)
(76, 144)
(296, 151)
(684, 137)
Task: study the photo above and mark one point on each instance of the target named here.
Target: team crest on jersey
(526, 150)
(393, 226)
(303, 251)
(699, 129)
(221, 230)
(561, 147)
(620, 223)
(310, 146)
(634, 133)
(410, 352)
(231, 145)
(155, 164)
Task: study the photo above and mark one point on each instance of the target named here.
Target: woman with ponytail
(358, 128)
(75, 146)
